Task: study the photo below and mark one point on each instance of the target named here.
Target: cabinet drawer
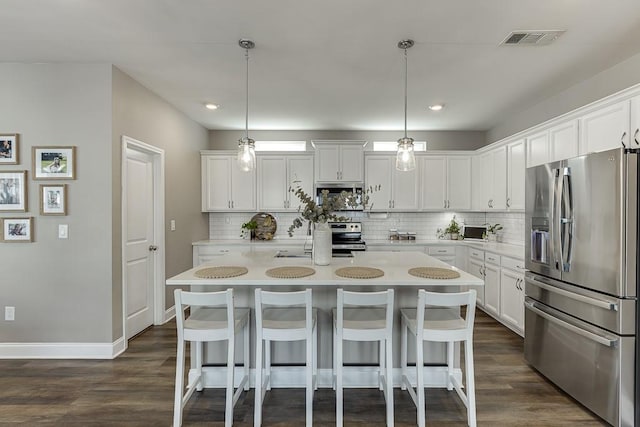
(476, 253)
(492, 258)
(440, 250)
(513, 264)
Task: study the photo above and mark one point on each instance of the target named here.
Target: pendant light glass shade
(246, 145)
(405, 158)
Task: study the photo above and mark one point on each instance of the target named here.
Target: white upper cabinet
(634, 140)
(478, 202)
(563, 141)
(605, 128)
(225, 186)
(494, 179)
(398, 190)
(538, 148)
(339, 161)
(515, 174)
(277, 174)
(446, 182)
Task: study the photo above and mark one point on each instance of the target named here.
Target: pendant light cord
(246, 122)
(406, 77)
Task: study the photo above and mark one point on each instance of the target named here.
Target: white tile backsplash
(228, 225)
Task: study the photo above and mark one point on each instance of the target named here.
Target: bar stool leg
(389, 382)
(177, 403)
(315, 356)
(450, 351)
(228, 412)
(309, 375)
(338, 367)
(267, 363)
(199, 364)
(257, 410)
(335, 350)
(471, 384)
(420, 382)
(403, 354)
(381, 369)
(247, 354)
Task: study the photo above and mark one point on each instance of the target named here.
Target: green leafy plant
(310, 211)
(493, 228)
(454, 227)
(248, 227)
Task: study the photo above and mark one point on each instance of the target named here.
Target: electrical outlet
(227, 220)
(9, 313)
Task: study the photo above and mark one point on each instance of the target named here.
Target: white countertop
(506, 249)
(394, 264)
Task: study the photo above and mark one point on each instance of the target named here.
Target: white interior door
(140, 242)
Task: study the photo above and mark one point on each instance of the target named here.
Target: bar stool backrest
(285, 299)
(435, 300)
(203, 301)
(382, 299)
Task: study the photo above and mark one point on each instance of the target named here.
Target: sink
(292, 254)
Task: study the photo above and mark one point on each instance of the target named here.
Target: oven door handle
(607, 305)
(589, 335)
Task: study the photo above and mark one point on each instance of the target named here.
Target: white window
(393, 146)
(281, 145)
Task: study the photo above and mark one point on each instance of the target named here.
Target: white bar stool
(441, 322)
(281, 320)
(370, 318)
(207, 323)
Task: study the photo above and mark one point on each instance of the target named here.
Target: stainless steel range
(347, 237)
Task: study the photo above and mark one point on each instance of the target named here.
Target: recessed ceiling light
(211, 106)
(436, 107)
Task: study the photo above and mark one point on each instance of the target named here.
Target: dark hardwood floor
(136, 389)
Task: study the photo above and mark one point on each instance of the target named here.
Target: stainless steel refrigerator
(581, 284)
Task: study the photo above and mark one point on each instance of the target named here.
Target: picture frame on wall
(54, 162)
(17, 230)
(9, 148)
(13, 191)
(53, 199)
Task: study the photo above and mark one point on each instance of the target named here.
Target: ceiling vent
(532, 38)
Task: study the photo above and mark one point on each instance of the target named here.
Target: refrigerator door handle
(556, 225)
(589, 335)
(607, 305)
(566, 220)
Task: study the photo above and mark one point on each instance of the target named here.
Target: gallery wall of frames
(50, 167)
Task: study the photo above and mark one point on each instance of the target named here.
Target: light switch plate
(63, 231)
(9, 313)
(173, 225)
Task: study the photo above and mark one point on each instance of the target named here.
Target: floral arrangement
(310, 211)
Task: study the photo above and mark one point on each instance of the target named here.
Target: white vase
(321, 244)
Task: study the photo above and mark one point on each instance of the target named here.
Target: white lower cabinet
(492, 288)
(475, 266)
(512, 294)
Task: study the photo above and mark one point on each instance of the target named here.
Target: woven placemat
(222, 272)
(434, 273)
(359, 272)
(290, 272)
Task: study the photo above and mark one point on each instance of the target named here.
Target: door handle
(589, 335)
(607, 305)
(153, 248)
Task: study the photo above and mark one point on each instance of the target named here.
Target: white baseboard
(62, 350)
(169, 314)
(354, 376)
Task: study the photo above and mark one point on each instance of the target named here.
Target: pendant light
(246, 145)
(405, 158)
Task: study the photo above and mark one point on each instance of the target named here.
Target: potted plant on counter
(493, 232)
(453, 229)
(249, 229)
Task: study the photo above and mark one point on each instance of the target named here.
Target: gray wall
(436, 140)
(619, 77)
(61, 288)
(141, 114)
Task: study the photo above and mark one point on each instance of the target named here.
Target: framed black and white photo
(53, 199)
(17, 230)
(13, 191)
(54, 162)
(8, 148)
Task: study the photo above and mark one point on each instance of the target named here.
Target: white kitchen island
(324, 284)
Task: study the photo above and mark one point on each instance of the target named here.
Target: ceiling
(331, 64)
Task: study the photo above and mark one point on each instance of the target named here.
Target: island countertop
(395, 266)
